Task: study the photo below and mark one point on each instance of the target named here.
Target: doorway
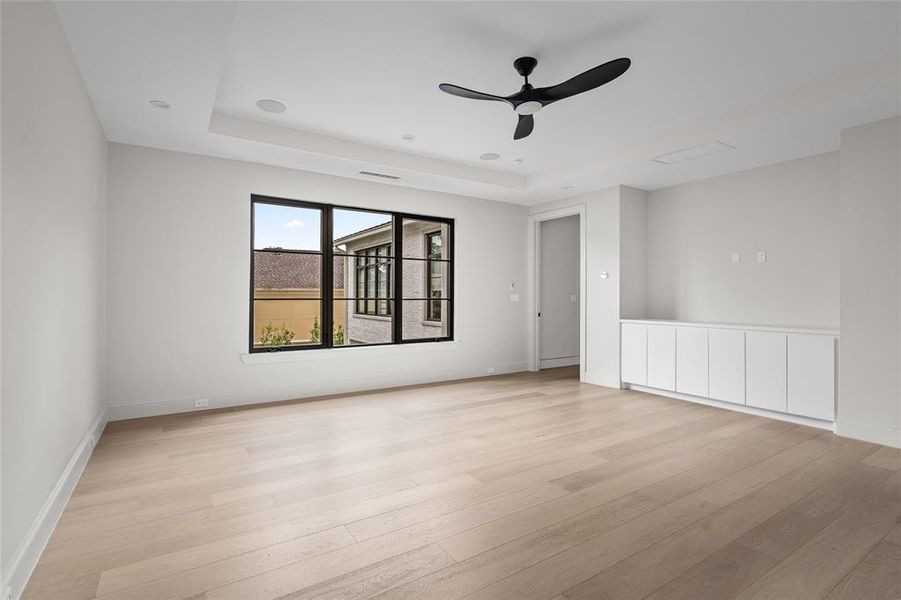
(558, 339)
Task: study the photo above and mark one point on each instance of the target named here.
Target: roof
(364, 233)
(273, 270)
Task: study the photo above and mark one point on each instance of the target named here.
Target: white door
(559, 290)
(811, 376)
(766, 370)
(662, 357)
(691, 361)
(634, 354)
(727, 365)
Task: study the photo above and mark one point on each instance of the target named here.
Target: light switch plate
(573, 298)
(736, 258)
(761, 256)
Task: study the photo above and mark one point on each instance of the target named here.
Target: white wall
(633, 294)
(870, 347)
(54, 258)
(790, 210)
(179, 268)
(603, 222)
(559, 285)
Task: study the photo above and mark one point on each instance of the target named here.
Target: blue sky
(298, 228)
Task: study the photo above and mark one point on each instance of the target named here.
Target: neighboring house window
(434, 279)
(319, 272)
(373, 280)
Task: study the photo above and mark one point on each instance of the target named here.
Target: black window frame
(327, 252)
(433, 301)
(381, 304)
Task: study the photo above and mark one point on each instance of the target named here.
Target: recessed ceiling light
(271, 106)
(568, 187)
(518, 161)
(408, 137)
(159, 104)
(490, 156)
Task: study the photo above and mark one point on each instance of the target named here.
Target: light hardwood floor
(513, 487)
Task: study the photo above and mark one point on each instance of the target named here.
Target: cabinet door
(662, 357)
(766, 371)
(634, 354)
(727, 365)
(691, 361)
(811, 376)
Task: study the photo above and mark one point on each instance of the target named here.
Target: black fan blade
(583, 82)
(524, 126)
(456, 90)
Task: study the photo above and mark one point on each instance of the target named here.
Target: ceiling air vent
(693, 152)
(382, 175)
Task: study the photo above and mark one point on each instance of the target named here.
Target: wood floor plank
(652, 567)
(528, 485)
(878, 575)
(580, 562)
(820, 564)
(723, 574)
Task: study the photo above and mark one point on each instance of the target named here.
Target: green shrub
(316, 334)
(275, 335)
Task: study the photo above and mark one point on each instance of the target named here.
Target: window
(373, 271)
(434, 280)
(324, 276)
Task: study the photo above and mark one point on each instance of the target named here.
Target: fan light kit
(529, 100)
(271, 106)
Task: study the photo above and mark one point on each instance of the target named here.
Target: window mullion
(397, 251)
(328, 271)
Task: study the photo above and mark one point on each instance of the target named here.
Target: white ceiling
(775, 80)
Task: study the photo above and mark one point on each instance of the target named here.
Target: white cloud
(294, 224)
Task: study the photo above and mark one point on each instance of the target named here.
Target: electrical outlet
(514, 297)
(492, 370)
(761, 256)
(201, 402)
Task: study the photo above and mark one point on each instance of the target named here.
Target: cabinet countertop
(743, 327)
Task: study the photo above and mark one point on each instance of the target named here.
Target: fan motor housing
(524, 65)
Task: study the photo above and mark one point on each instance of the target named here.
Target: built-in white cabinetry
(691, 361)
(662, 357)
(634, 354)
(727, 365)
(765, 370)
(780, 370)
(811, 376)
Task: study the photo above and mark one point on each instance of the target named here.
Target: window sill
(372, 317)
(290, 356)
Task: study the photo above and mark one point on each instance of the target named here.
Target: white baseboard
(564, 361)
(869, 432)
(751, 410)
(26, 557)
(166, 406)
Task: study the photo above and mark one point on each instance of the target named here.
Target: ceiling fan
(529, 100)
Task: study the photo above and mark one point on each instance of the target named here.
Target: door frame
(534, 272)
